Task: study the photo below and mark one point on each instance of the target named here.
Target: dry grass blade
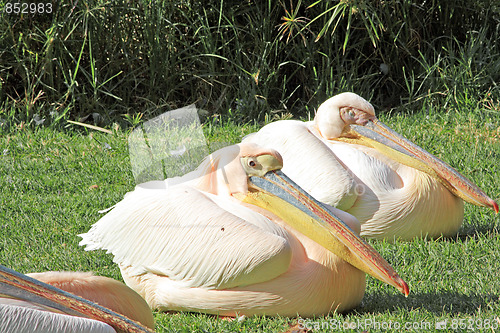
(97, 128)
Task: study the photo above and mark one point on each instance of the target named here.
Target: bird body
(393, 187)
(280, 271)
(101, 290)
(29, 303)
(199, 243)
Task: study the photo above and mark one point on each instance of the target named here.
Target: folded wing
(193, 237)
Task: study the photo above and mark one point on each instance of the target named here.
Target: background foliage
(96, 60)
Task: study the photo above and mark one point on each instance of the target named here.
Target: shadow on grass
(475, 232)
(436, 303)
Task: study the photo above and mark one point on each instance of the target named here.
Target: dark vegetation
(114, 61)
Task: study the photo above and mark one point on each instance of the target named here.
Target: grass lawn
(53, 183)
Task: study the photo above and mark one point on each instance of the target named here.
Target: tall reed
(101, 61)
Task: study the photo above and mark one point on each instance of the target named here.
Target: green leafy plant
(257, 59)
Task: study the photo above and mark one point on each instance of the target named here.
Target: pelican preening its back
(347, 158)
(236, 236)
(69, 302)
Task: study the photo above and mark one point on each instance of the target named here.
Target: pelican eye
(348, 115)
(260, 165)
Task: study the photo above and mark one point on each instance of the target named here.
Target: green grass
(53, 183)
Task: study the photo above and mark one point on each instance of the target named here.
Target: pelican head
(266, 186)
(350, 118)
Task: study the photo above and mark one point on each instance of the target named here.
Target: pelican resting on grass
(347, 158)
(238, 237)
(60, 302)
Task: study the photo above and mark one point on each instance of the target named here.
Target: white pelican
(237, 237)
(347, 158)
(47, 302)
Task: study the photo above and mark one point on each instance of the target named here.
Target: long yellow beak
(19, 286)
(390, 143)
(278, 194)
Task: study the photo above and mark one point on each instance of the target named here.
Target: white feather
(179, 232)
(22, 318)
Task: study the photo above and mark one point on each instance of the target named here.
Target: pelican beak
(21, 287)
(390, 143)
(278, 194)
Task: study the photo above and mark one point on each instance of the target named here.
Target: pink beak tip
(495, 206)
(406, 289)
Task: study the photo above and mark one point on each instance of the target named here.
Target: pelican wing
(194, 237)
